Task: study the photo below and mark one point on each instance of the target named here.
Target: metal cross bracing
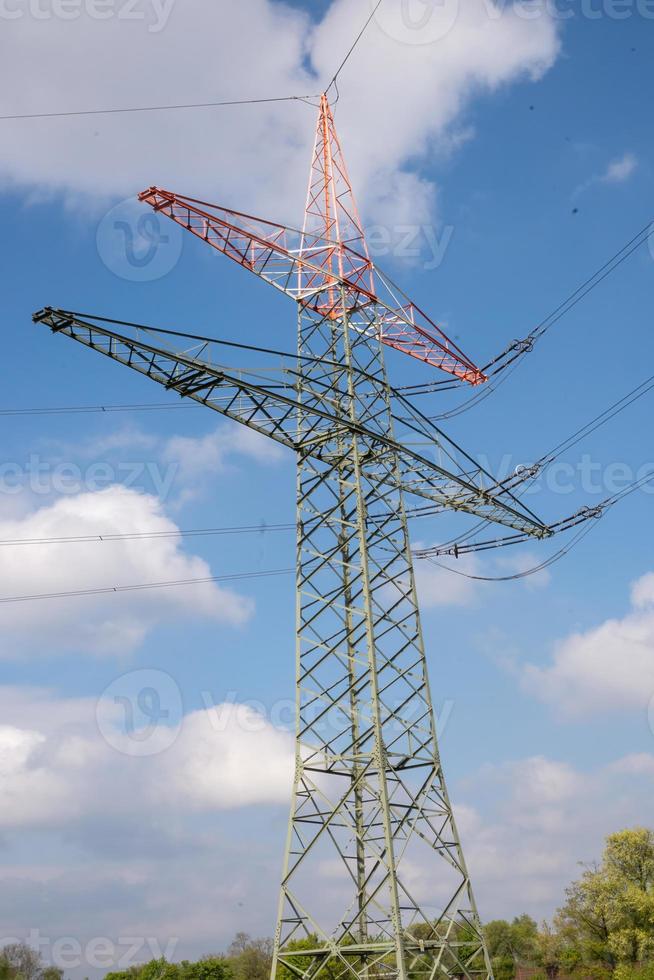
(375, 884)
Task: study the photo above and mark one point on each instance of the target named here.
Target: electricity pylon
(375, 883)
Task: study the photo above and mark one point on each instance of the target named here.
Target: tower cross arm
(317, 272)
(272, 407)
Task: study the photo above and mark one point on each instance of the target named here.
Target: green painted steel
(374, 883)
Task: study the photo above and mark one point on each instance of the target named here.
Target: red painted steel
(328, 259)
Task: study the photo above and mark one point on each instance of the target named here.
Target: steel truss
(372, 841)
(375, 884)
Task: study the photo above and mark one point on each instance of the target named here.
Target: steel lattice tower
(375, 883)
(369, 793)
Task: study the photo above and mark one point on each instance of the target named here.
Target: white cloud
(439, 586)
(29, 789)
(197, 458)
(176, 469)
(530, 822)
(109, 624)
(640, 763)
(461, 582)
(521, 562)
(607, 668)
(221, 758)
(618, 171)
(525, 824)
(229, 756)
(401, 98)
(526, 827)
(136, 815)
(16, 746)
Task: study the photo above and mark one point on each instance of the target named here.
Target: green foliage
(604, 931)
(250, 959)
(209, 968)
(333, 970)
(18, 961)
(609, 913)
(511, 944)
(643, 972)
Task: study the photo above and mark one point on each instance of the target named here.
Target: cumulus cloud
(607, 668)
(521, 562)
(620, 170)
(404, 95)
(438, 586)
(177, 468)
(197, 458)
(110, 625)
(452, 582)
(526, 824)
(92, 763)
(229, 756)
(136, 815)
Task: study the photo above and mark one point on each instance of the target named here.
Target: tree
(18, 961)
(609, 912)
(208, 968)
(250, 959)
(511, 944)
(24, 963)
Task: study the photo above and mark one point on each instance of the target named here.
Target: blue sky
(522, 145)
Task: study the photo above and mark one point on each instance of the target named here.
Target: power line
(548, 458)
(145, 535)
(580, 518)
(98, 409)
(122, 110)
(118, 589)
(154, 108)
(601, 419)
(351, 51)
(557, 556)
(502, 366)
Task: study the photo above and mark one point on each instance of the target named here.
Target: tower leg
(375, 883)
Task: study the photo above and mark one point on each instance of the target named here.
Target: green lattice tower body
(375, 882)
